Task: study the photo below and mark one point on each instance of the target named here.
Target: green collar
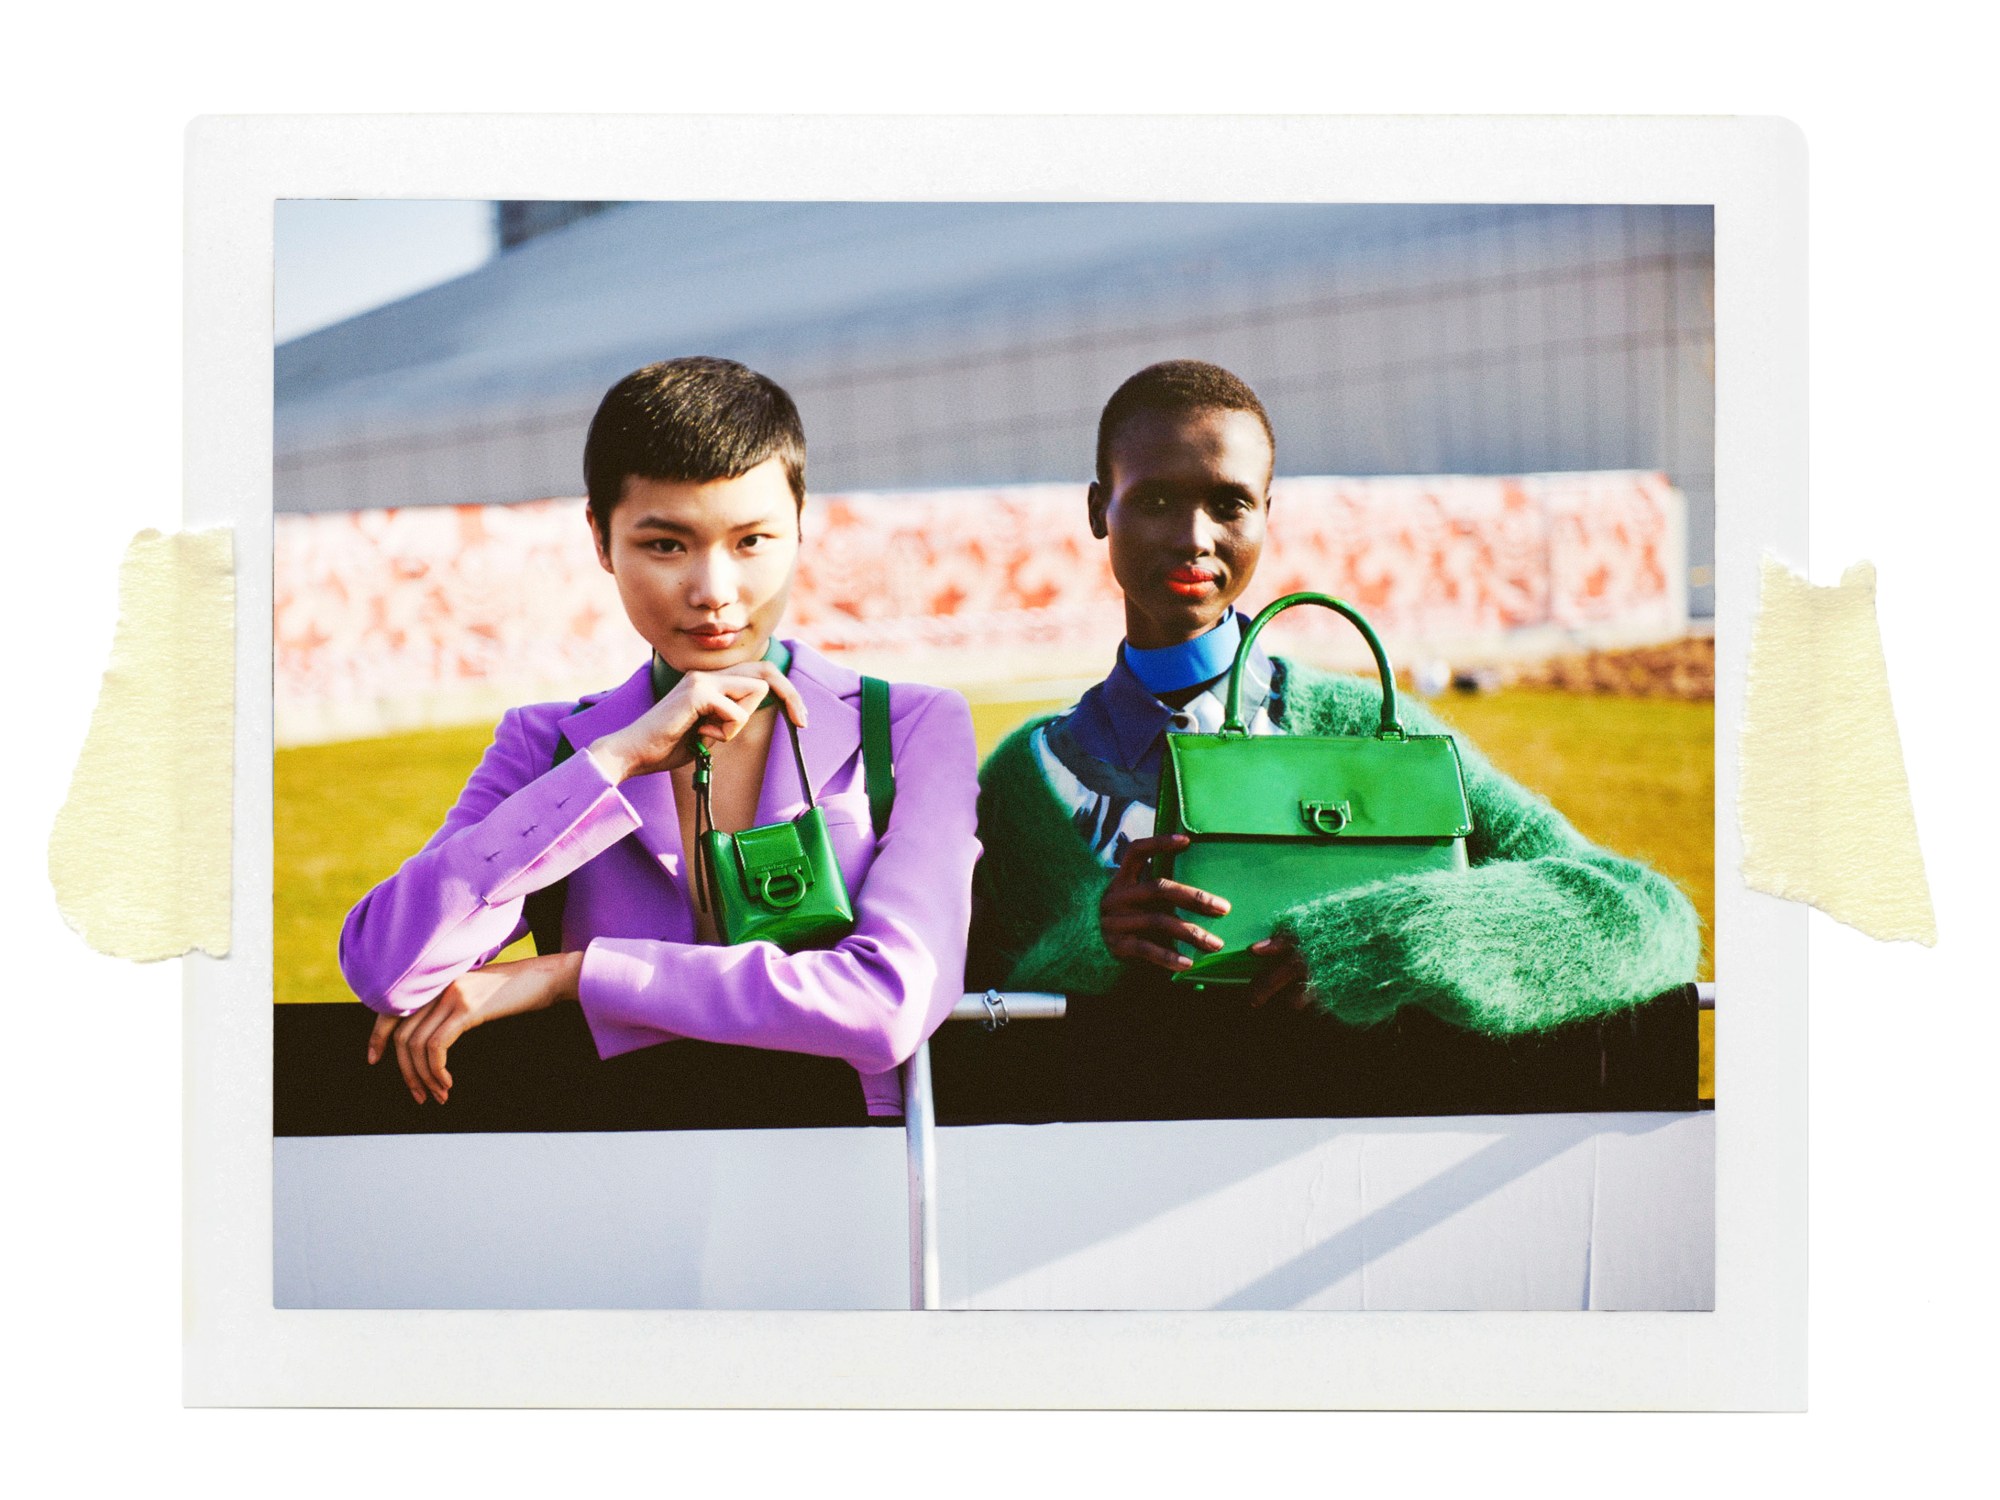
(666, 678)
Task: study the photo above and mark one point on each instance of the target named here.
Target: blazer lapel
(650, 796)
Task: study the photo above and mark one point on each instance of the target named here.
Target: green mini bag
(781, 882)
(1276, 820)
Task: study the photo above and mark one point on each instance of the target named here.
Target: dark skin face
(1185, 512)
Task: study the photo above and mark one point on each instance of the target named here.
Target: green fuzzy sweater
(1544, 928)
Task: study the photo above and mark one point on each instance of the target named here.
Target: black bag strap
(704, 821)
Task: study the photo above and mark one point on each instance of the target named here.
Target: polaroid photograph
(898, 782)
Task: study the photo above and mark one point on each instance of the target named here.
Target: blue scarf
(1203, 659)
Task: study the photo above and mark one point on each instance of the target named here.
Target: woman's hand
(1137, 915)
(423, 1037)
(710, 706)
(1285, 978)
(1137, 918)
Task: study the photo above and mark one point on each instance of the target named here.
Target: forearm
(1513, 946)
(1039, 885)
(1546, 927)
(399, 956)
(615, 760)
(457, 903)
(868, 1001)
(1021, 939)
(1067, 955)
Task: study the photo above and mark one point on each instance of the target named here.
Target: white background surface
(1605, 1212)
(1903, 1039)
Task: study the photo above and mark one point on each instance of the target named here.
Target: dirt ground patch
(1683, 670)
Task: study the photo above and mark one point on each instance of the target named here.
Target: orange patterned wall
(389, 618)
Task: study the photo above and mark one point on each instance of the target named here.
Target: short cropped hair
(696, 419)
(1176, 385)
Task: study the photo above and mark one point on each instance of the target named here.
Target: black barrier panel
(1162, 1052)
(542, 1072)
(1152, 1053)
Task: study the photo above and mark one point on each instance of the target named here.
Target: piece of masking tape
(1823, 801)
(139, 855)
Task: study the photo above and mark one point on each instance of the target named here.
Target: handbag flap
(1302, 786)
(773, 848)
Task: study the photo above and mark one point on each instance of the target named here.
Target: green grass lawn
(1636, 775)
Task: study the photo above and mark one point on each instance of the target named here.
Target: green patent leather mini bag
(1276, 820)
(781, 882)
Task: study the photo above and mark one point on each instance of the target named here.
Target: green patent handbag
(1275, 820)
(781, 882)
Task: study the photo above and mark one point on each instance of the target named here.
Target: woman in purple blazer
(696, 476)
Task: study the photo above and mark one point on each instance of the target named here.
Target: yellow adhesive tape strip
(1824, 804)
(139, 854)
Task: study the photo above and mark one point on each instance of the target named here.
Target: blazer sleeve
(517, 826)
(872, 998)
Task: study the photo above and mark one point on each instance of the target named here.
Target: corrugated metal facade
(973, 344)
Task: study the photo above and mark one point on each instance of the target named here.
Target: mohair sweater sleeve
(1035, 893)
(1545, 928)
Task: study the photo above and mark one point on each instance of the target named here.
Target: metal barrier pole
(920, 1133)
(992, 1010)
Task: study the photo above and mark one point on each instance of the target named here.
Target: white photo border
(1748, 1353)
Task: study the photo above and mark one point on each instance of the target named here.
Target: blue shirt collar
(1191, 663)
(1120, 721)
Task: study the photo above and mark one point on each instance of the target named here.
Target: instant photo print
(1529, 399)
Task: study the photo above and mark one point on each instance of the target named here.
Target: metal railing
(991, 1009)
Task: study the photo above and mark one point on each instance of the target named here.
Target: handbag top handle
(1392, 728)
(704, 813)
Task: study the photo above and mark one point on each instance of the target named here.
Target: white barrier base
(1607, 1211)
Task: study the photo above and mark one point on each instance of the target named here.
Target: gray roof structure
(947, 344)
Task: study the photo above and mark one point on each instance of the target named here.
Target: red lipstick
(1191, 580)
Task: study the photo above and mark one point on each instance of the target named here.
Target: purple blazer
(519, 825)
